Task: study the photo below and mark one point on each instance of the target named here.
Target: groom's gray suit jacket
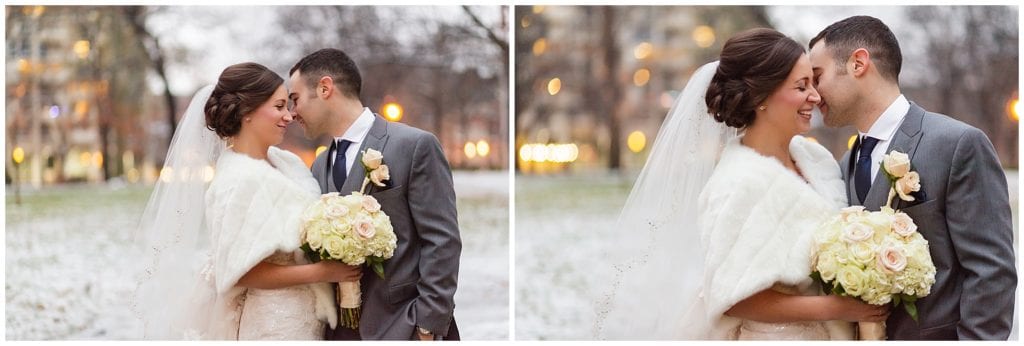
(421, 277)
(964, 213)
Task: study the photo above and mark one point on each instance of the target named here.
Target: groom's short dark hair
(845, 36)
(335, 64)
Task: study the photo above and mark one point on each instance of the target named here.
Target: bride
(222, 243)
(729, 199)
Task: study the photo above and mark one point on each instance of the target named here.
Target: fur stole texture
(757, 221)
(254, 209)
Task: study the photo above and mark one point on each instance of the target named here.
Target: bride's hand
(335, 271)
(855, 310)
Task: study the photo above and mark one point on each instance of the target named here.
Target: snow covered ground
(563, 226)
(69, 254)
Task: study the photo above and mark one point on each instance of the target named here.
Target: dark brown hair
(752, 64)
(335, 64)
(847, 35)
(240, 89)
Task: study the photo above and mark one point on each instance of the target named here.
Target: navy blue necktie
(862, 176)
(338, 172)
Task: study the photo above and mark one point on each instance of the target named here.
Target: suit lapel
(319, 170)
(375, 139)
(905, 140)
(847, 168)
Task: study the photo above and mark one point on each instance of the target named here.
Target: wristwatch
(423, 331)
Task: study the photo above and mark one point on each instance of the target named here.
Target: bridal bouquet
(352, 229)
(878, 257)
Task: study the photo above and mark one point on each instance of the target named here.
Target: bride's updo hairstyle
(752, 64)
(240, 89)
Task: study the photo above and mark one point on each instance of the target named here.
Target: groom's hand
(336, 271)
(424, 336)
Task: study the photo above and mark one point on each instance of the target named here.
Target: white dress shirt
(355, 134)
(884, 129)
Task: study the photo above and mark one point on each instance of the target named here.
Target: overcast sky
(219, 36)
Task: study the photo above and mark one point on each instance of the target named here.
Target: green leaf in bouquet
(825, 286)
(377, 264)
(911, 308)
(312, 256)
(838, 289)
(896, 299)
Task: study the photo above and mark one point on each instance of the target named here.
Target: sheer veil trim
(657, 269)
(172, 299)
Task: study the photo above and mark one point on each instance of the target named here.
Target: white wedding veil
(656, 290)
(170, 299)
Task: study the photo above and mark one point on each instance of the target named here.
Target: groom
(416, 299)
(962, 209)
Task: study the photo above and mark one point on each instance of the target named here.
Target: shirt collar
(360, 128)
(890, 120)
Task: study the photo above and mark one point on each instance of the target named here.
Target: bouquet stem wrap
(871, 330)
(349, 298)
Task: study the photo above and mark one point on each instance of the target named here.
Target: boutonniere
(902, 180)
(374, 169)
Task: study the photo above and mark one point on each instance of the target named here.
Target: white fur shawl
(757, 219)
(253, 209)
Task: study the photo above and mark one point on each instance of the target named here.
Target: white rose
(850, 211)
(903, 225)
(892, 258)
(371, 204)
(315, 239)
(372, 159)
(854, 280)
(333, 245)
(364, 227)
(857, 232)
(327, 196)
(379, 175)
(335, 210)
(897, 164)
(908, 184)
(862, 252)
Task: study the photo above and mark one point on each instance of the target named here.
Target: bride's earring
(247, 119)
(762, 108)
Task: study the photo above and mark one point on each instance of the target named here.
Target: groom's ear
(325, 87)
(861, 60)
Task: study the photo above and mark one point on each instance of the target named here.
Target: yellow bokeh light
(641, 77)
(704, 36)
(85, 158)
(18, 155)
(167, 174)
(525, 22)
(482, 148)
(97, 159)
(82, 49)
(538, 9)
(1015, 108)
(539, 46)
(849, 144)
(81, 107)
(392, 111)
(208, 173)
(320, 150)
(526, 152)
(643, 50)
(554, 86)
(23, 65)
(636, 141)
(470, 150)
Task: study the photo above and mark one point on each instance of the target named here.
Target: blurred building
(52, 119)
(603, 78)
